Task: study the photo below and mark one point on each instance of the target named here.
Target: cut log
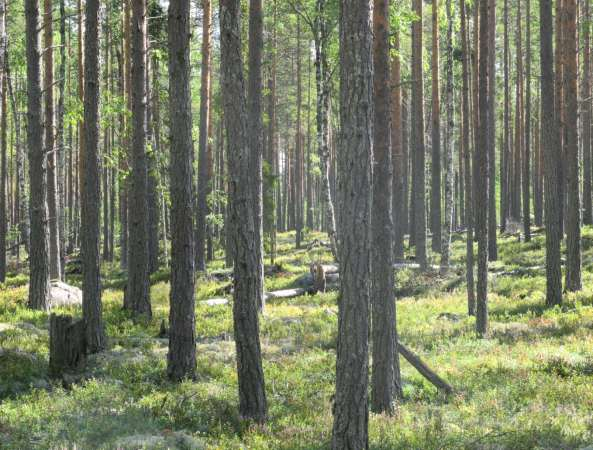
(318, 274)
(67, 345)
(424, 370)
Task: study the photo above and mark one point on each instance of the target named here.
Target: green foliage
(527, 386)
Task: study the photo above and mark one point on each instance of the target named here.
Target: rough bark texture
(181, 359)
(91, 193)
(492, 243)
(124, 167)
(481, 158)
(435, 192)
(137, 291)
(252, 395)
(152, 195)
(400, 160)
(322, 78)
(448, 222)
(573, 212)
(55, 271)
(255, 135)
(586, 117)
(465, 144)
(67, 345)
(505, 149)
(39, 247)
(552, 173)
(203, 173)
(60, 147)
(418, 169)
(23, 208)
(386, 379)
(351, 415)
(559, 110)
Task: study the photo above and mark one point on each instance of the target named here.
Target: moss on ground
(527, 386)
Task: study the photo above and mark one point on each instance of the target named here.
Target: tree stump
(319, 280)
(67, 345)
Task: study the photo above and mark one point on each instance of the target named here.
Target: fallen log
(285, 293)
(424, 370)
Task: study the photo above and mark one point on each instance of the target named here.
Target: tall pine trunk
(203, 179)
(448, 223)
(435, 193)
(91, 191)
(255, 136)
(481, 158)
(399, 160)
(418, 169)
(181, 359)
(492, 241)
(351, 415)
(586, 117)
(573, 216)
(386, 378)
(243, 218)
(55, 271)
(465, 145)
(137, 291)
(39, 246)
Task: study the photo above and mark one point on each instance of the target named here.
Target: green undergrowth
(527, 386)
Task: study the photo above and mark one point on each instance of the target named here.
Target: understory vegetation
(528, 385)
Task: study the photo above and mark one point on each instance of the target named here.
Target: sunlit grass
(527, 386)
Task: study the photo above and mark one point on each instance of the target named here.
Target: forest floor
(529, 385)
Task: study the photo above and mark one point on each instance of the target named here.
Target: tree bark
(559, 109)
(351, 416)
(181, 359)
(465, 144)
(386, 378)
(400, 161)
(418, 170)
(481, 158)
(124, 186)
(586, 117)
(55, 271)
(435, 193)
(39, 246)
(505, 149)
(448, 223)
(23, 209)
(60, 147)
(203, 179)
(492, 241)
(91, 192)
(243, 219)
(573, 216)
(137, 290)
(255, 136)
(527, 173)
(67, 345)
(322, 78)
